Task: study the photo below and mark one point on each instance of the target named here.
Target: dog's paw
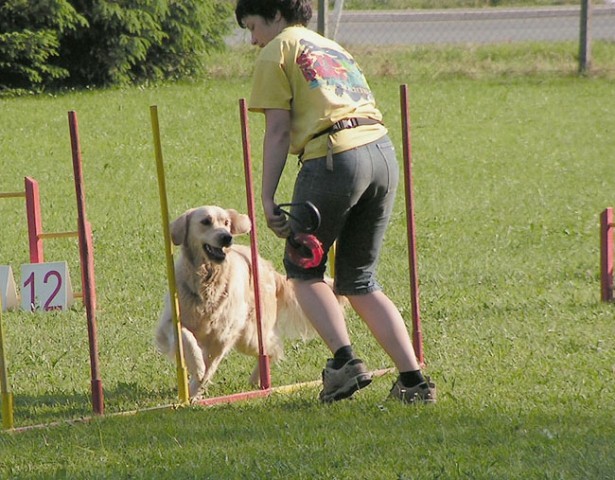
(195, 387)
(197, 398)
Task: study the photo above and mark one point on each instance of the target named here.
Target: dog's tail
(291, 321)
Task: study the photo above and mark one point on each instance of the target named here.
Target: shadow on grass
(56, 407)
(60, 407)
(367, 438)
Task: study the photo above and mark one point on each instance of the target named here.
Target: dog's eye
(227, 223)
(206, 221)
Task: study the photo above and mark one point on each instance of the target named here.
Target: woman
(318, 105)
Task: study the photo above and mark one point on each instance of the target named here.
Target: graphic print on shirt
(333, 69)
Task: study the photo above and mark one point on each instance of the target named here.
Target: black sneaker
(343, 382)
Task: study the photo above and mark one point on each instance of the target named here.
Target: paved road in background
(492, 25)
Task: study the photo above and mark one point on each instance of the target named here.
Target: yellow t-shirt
(320, 83)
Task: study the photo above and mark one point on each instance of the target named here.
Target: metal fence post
(323, 7)
(585, 37)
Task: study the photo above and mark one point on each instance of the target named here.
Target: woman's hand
(276, 220)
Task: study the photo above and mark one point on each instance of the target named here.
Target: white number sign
(46, 286)
(8, 289)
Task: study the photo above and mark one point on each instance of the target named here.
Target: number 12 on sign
(46, 286)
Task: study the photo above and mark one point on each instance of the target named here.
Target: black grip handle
(313, 213)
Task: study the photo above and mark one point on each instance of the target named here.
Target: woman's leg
(387, 325)
(324, 312)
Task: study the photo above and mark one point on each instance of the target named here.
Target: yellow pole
(182, 377)
(12, 194)
(331, 261)
(7, 395)
(58, 235)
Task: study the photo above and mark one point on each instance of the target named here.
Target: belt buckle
(342, 124)
(346, 123)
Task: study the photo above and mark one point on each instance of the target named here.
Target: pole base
(7, 410)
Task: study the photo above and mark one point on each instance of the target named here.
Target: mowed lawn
(510, 176)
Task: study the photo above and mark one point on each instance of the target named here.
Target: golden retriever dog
(216, 297)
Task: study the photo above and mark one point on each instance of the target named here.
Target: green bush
(30, 35)
(77, 43)
(191, 26)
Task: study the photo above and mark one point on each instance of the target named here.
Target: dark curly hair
(293, 11)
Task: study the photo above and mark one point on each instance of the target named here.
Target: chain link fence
(462, 26)
(582, 24)
(577, 27)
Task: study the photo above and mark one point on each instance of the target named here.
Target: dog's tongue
(305, 250)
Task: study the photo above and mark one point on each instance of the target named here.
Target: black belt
(346, 123)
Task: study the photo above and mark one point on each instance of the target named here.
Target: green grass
(510, 175)
(427, 63)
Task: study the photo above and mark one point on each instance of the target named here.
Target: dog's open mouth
(214, 253)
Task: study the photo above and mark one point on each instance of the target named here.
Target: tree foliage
(56, 43)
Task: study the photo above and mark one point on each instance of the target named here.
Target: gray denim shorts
(355, 201)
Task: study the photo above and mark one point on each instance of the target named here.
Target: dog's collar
(208, 273)
(186, 288)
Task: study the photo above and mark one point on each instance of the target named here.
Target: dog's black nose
(226, 239)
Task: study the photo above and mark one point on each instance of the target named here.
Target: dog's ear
(179, 227)
(240, 223)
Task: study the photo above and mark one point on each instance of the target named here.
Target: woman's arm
(275, 151)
